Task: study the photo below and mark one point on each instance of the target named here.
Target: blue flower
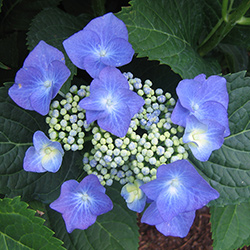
(103, 42)
(177, 192)
(179, 226)
(81, 203)
(203, 98)
(134, 196)
(111, 102)
(45, 155)
(203, 137)
(39, 80)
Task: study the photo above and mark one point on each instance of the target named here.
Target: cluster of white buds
(152, 140)
(67, 120)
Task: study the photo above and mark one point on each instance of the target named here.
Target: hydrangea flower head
(111, 102)
(103, 42)
(81, 203)
(39, 80)
(134, 196)
(203, 98)
(203, 137)
(45, 155)
(177, 189)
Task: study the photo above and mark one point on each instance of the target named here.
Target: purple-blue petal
(42, 55)
(100, 203)
(58, 73)
(153, 188)
(179, 226)
(93, 65)
(179, 114)
(212, 110)
(216, 90)
(40, 140)
(172, 201)
(137, 205)
(90, 182)
(152, 216)
(118, 52)
(116, 122)
(108, 27)
(95, 100)
(110, 79)
(210, 133)
(32, 161)
(40, 100)
(27, 81)
(132, 100)
(80, 45)
(92, 115)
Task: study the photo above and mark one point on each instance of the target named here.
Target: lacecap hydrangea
(138, 139)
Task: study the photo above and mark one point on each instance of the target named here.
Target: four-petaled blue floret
(45, 155)
(40, 79)
(206, 101)
(103, 42)
(81, 203)
(177, 192)
(111, 102)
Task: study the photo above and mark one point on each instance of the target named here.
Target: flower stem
(224, 26)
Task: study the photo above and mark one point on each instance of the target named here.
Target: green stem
(222, 28)
(88, 138)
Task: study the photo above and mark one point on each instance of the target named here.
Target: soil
(198, 238)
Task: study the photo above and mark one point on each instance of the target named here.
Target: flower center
(85, 197)
(102, 53)
(48, 151)
(195, 107)
(47, 84)
(109, 103)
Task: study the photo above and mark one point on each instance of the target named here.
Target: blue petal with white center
(203, 137)
(45, 155)
(203, 98)
(39, 80)
(103, 42)
(81, 203)
(178, 188)
(111, 102)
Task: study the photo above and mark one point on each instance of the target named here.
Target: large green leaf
(17, 127)
(116, 229)
(239, 35)
(228, 169)
(21, 229)
(168, 31)
(17, 14)
(230, 226)
(54, 26)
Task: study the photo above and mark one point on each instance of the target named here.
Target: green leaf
(235, 56)
(230, 226)
(3, 66)
(21, 229)
(54, 26)
(17, 14)
(228, 169)
(17, 127)
(169, 31)
(116, 229)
